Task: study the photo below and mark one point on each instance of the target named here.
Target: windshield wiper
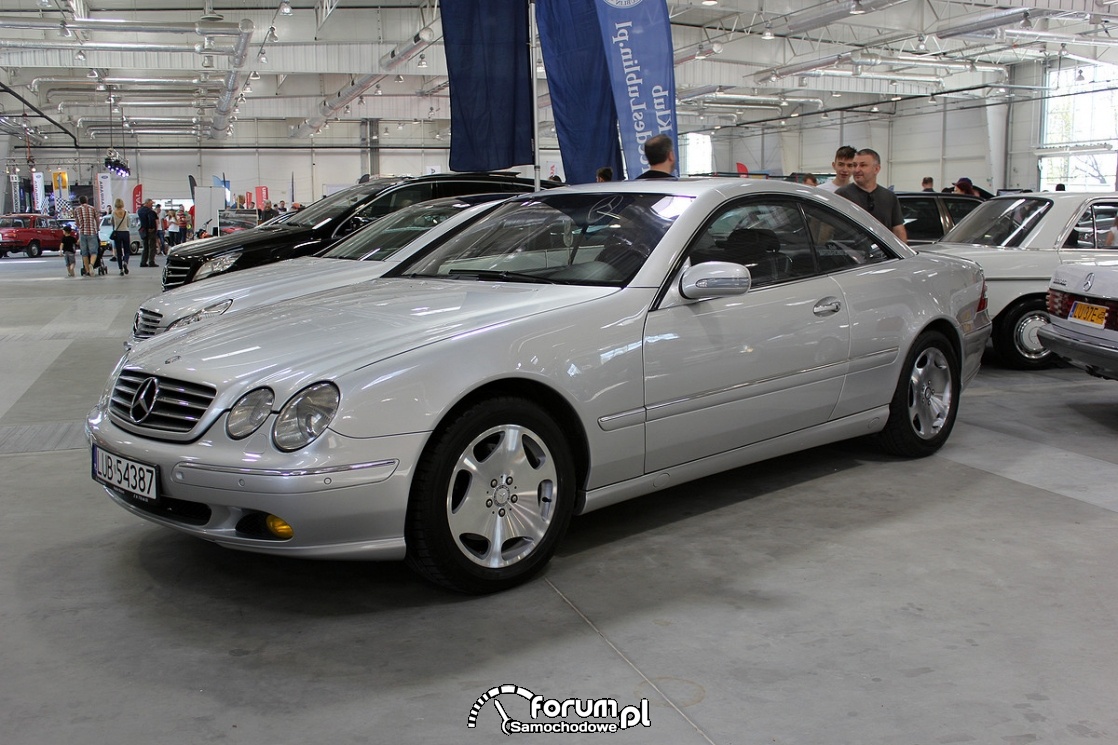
(501, 275)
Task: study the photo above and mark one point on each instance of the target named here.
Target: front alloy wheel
(1016, 339)
(491, 498)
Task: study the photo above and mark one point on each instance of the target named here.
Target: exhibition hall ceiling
(221, 73)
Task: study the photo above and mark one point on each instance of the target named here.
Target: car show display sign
(104, 191)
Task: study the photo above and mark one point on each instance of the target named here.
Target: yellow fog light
(278, 527)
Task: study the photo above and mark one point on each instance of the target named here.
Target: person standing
(843, 165)
(660, 152)
(928, 184)
(149, 225)
(172, 228)
(604, 174)
(69, 242)
(86, 219)
(160, 230)
(877, 200)
(282, 207)
(122, 239)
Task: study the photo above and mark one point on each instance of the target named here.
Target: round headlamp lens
(249, 413)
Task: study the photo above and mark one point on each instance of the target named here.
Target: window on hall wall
(1080, 128)
(696, 154)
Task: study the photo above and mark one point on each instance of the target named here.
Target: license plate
(127, 475)
(1087, 313)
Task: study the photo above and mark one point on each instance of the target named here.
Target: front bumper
(344, 498)
(1089, 353)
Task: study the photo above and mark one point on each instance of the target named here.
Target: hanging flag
(637, 38)
(487, 57)
(579, 85)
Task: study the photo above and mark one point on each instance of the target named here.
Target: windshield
(389, 234)
(337, 203)
(1000, 222)
(593, 238)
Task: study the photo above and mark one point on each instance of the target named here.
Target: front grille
(146, 323)
(1060, 304)
(176, 407)
(176, 272)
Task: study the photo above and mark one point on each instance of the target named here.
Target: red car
(30, 233)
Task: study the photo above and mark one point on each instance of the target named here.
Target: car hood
(263, 284)
(282, 233)
(328, 334)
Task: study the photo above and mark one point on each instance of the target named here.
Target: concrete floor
(836, 596)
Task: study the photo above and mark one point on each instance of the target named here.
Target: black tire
(518, 484)
(1015, 338)
(34, 250)
(926, 401)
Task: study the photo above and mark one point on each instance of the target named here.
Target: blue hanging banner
(491, 105)
(637, 37)
(578, 82)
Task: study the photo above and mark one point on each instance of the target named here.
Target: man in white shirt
(844, 167)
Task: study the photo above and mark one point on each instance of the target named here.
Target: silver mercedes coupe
(572, 349)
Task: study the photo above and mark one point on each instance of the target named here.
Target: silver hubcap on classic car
(502, 496)
(1025, 335)
(930, 396)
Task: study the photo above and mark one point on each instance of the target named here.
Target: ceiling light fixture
(247, 88)
(261, 58)
(422, 61)
(922, 43)
(80, 56)
(710, 2)
(768, 35)
(208, 61)
(1079, 76)
(91, 74)
(398, 79)
(271, 36)
(856, 8)
(377, 91)
(285, 8)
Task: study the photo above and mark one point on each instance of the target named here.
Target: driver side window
(764, 237)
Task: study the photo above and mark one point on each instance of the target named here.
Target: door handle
(827, 306)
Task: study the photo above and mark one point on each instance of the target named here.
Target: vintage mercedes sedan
(1020, 240)
(571, 349)
(366, 254)
(1083, 315)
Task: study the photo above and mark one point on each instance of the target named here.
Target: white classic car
(1020, 240)
(571, 349)
(364, 255)
(1083, 310)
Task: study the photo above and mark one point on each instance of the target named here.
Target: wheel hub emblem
(501, 495)
(143, 402)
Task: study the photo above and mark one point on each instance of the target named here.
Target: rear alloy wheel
(34, 250)
(492, 497)
(1015, 336)
(922, 412)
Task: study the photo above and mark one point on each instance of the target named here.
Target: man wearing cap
(149, 225)
(877, 200)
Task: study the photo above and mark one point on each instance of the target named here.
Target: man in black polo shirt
(877, 200)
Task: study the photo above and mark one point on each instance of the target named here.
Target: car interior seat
(759, 250)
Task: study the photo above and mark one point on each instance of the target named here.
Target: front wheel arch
(491, 496)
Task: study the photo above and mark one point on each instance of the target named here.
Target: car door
(726, 372)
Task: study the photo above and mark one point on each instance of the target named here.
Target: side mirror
(714, 279)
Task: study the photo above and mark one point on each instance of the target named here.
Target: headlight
(305, 416)
(217, 265)
(210, 310)
(249, 413)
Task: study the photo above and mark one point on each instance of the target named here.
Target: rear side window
(921, 218)
(960, 208)
(393, 199)
(1094, 229)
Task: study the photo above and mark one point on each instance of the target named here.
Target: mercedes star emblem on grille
(144, 400)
